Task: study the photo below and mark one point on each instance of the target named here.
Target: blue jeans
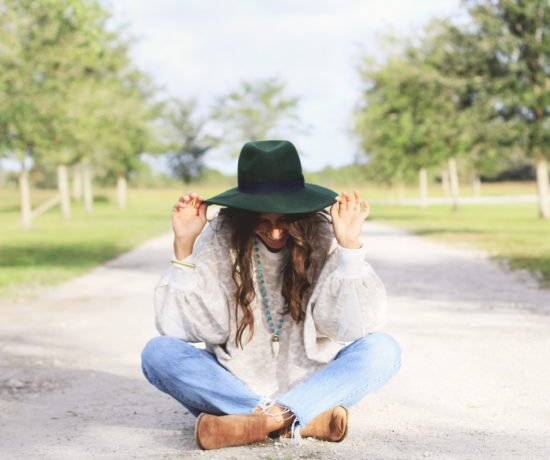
(196, 379)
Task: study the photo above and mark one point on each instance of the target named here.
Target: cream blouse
(347, 301)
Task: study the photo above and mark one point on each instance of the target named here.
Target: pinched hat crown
(269, 167)
(270, 180)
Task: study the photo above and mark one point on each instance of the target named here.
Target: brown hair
(302, 230)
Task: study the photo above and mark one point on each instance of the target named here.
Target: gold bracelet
(183, 264)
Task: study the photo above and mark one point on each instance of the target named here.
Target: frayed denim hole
(299, 418)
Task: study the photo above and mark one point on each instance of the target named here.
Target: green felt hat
(270, 180)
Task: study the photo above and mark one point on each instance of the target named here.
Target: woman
(280, 293)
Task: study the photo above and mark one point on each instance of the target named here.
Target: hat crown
(270, 180)
(269, 161)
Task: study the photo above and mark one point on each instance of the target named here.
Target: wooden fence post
(63, 187)
(423, 177)
(542, 188)
(453, 178)
(25, 194)
(121, 187)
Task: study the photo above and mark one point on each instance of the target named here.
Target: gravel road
(474, 382)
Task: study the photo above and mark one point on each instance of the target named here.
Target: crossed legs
(187, 374)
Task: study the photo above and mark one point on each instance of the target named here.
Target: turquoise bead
(275, 330)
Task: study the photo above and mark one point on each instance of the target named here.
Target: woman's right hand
(188, 220)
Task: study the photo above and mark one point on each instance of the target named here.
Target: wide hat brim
(310, 198)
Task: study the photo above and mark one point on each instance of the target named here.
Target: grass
(511, 233)
(375, 192)
(54, 251)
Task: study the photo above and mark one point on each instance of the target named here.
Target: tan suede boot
(331, 425)
(217, 431)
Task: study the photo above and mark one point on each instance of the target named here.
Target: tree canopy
(478, 90)
(257, 110)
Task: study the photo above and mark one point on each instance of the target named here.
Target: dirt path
(474, 382)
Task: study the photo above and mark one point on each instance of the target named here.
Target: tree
(49, 49)
(257, 110)
(69, 90)
(381, 121)
(127, 127)
(460, 119)
(400, 119)
(514, 37)
(187, 139)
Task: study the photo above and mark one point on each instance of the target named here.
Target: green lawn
(54, 251)
(375, 192)
(512, 233)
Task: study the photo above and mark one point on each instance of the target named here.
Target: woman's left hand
(348, 215)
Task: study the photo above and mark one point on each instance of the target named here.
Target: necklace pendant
(275, 345)
(272, 324)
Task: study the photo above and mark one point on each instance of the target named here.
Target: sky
(204, 48)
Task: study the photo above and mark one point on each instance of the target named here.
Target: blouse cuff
(181, 276)
(188, 259)
(350, 262)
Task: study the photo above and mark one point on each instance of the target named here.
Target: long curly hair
(302, 230)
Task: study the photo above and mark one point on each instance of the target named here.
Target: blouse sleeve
(191, 303)
(348, 300)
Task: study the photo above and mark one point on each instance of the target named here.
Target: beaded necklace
(274, 326)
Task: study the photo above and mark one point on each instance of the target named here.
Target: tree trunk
(542, 188)
(445, 182)
(63, 187)
(400, 192)
(77, 182)
(88, 193)
(423, 178)
(122, 188)
(476, 185)
(25, 194)
(453, 179)
(389, 195)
